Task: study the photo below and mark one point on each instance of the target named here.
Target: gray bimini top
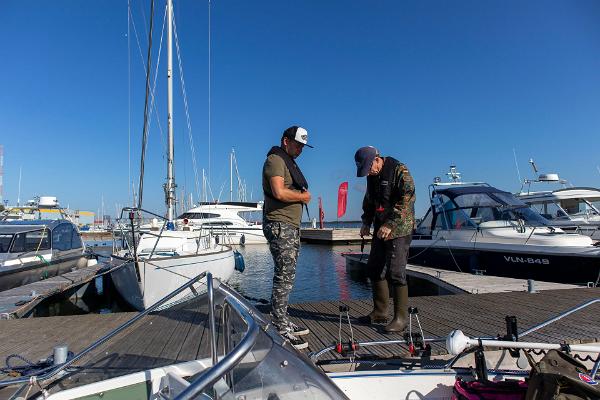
(12, 227)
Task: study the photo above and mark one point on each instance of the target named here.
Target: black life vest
(381, 188)
(298, 180)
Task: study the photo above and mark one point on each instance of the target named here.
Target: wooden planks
(19, 301)
(331, 236)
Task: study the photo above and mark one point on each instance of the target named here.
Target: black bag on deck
(558, 376)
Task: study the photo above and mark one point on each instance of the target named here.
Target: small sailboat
(153, 263)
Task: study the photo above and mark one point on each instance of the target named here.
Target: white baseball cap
(297, 133)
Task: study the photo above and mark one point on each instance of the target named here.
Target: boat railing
(134, 213)
(491, 341)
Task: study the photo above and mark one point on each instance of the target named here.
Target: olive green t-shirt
(275, 210)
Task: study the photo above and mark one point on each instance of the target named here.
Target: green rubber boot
(400, 320)
(381, 296)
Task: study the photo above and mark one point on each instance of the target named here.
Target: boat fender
(243, 240)
(240, 265)
(217, 239)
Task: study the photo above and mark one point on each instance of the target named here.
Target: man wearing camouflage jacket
(286, 192)
(388, 205)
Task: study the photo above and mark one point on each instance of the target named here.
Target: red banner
(342, 199)
(321, 214)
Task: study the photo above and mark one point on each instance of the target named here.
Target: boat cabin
(475, 206)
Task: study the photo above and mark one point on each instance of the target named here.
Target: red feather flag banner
(321, 214)
(342, 199)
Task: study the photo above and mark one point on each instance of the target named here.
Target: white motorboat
(151, 264)
(254, 362)
(474, 227)
(233, 222)
(33, 250)
(574, 209)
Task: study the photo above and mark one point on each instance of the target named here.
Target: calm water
(320, 275)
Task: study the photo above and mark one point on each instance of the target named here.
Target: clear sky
(431, 83)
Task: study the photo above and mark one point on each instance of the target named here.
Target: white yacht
(474, 227)
(233, 222)
(573, 209)
(151, 264)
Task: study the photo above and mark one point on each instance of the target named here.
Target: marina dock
(181, 333)
(19, 301)
(332, 236)
(442, 281)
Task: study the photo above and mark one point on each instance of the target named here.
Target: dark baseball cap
(364, 158)
(298, 133)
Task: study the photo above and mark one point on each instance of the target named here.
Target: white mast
(170, 185)
(19, 193)
(231, 175)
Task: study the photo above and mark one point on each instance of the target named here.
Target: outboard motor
(240, 265)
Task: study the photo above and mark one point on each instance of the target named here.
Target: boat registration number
(527, 260)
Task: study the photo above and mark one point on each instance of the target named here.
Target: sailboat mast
(170, 185)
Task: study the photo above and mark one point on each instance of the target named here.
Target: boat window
(577, 207)
(192, 215)
(424, 226)
(31, 241)
(476, 200)
(76, 242)
(217, 223)
(5, 242)
(550, 211)
(458, 219)
(61, 237)
(509, 199)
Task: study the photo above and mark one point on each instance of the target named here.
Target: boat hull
(34, 271)
(514, 261)
(143, 283)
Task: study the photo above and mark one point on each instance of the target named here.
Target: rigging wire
(209, 91)
(154, 107)
(129, 182)
(186, 107)
(145, 134)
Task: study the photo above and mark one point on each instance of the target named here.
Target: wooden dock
(19, 301)
(453, 282)
(180, 334)
(332, 236)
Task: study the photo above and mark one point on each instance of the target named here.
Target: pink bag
(476, 390)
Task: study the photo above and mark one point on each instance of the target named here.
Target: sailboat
(154, 263)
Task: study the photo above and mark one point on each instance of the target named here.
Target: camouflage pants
(284, 243)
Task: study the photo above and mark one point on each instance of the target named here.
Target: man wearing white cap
(286, 192)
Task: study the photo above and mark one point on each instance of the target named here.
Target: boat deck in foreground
(179, 334)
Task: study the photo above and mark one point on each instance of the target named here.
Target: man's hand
(306, 197)
(365, 230)
(384, 233)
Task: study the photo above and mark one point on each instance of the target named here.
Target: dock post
(531, 286)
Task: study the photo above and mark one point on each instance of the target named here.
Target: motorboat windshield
(470, 207)
(251, 360)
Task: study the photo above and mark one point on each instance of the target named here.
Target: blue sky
(431, 83)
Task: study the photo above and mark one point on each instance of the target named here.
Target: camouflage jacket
(390, 199)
